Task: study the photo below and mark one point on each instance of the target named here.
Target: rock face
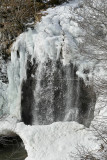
(3, 86)
(3, 70)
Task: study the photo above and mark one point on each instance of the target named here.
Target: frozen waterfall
(48, 80)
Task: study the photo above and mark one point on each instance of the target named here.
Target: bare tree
(92, 18)
(15, 16)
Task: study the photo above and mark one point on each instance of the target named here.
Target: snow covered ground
(58, 141)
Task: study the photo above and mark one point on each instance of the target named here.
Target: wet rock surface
(57, 95)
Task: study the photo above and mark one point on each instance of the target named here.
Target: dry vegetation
(14, 15)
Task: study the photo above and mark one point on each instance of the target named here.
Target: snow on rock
(3, 87)
(7, 125)
(100, 85)
(3, 70)
(58, 141)
(3, 99)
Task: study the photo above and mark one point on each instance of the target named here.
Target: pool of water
(12, 151)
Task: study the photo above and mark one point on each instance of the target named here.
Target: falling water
(53, 92)
(47, 77)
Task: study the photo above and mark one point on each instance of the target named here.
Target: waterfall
(47, 77)
(47, 91)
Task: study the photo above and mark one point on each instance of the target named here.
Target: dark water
(12, 150)
(13, 153)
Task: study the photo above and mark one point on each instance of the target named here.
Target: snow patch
(58, 141)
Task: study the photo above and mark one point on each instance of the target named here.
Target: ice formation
(46, 72)
(48, 53)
